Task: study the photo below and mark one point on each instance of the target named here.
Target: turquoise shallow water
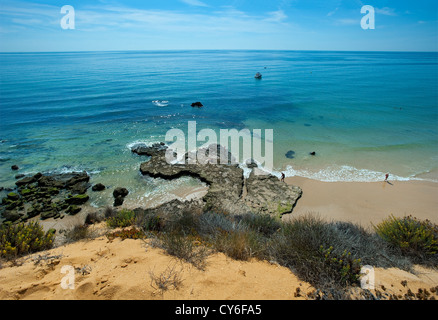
(364, 114)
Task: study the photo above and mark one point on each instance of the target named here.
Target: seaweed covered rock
(45, 195)
(77, 199)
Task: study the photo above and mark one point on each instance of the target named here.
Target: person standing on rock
(282, 177)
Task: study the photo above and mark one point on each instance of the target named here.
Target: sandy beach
(366, 203)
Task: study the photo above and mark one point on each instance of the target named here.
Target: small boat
(258, 75)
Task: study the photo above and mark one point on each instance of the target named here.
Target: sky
(112, 25)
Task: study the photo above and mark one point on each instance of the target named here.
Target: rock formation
(50, 196)
(265, 192)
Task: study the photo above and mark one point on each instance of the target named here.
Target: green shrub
(124, 218)
(346, 268)
(127, 234)
(414, 237)
(21, 239)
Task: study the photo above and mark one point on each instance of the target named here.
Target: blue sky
(400, 25)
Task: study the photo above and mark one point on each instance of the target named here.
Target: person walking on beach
(386, 177)
(282, 177)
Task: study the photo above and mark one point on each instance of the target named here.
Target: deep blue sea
(363, 113)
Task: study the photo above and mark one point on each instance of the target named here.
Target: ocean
(364, 114)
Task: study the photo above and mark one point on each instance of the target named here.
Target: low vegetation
(123, 234)
(23, 238)
(415, 239)
(121, 219)
(328, 255)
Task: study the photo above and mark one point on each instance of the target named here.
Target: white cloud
(227, 20)
(386, 11)
(195, 3)
(276, 16)
(347, 22)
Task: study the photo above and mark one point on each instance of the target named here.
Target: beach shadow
(387, 182)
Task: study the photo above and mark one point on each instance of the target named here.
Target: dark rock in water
(118, 201)
(120, 192)
(13, 196)
(251, 164)
(77, 199)
(46, 181)
(290, 154)
(14, 167)
(98, 187)
(197, 104)
(19, 176)
(25, 181)
(2, 188)
(144, 150)
(28, 180)
(79, 188)
(307, 125)
(78, 177)
(313, 153)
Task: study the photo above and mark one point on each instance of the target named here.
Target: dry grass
(170, 278)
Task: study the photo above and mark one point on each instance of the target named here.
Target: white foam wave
(159, 103)
(334, 174)
(132, 144)
(345, 174)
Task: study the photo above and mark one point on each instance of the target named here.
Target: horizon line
(175, 50)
